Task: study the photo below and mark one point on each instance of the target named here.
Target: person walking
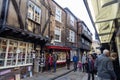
(90, 65)
(84, 62)
(75, 61)
(116, 66)
(55, 57)
(80, 65)
(50, 62)
(33, 56)
(68, 60)
(104, 67)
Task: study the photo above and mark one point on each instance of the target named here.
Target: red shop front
(61, 51)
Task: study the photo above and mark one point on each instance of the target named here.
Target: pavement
(49, 75)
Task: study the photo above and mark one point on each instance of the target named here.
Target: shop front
(15, 54)
(16, 51)
(61, 53)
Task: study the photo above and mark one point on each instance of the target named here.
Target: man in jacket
(55, 57)
(75, 61)
(84, 62)
(105, 67)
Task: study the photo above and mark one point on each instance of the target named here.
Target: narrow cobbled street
(78, 75)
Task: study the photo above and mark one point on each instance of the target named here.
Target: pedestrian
(94, 57)
(80, 65)
(90, 62)
(84, 62)
(104, 67)
(114, 58)
(55, 57)
(33, 56)
(50, 62)
(75, 61)
(68, 60)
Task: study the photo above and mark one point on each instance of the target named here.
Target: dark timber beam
(4, 13)
(49, 15)
(18, 13)
(45, 26)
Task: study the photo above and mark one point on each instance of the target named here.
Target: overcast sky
(78, 8)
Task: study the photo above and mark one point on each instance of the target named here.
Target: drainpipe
(4, 14)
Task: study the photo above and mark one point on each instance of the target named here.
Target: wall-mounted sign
(4, 72)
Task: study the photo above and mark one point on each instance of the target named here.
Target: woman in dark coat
(90, 66)
(116, 65)
(68, 60)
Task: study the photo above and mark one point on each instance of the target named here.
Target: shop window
(72, 36)
(11, 57)
(29, 54)
(58, 14)
(57, 34)
(34, 12)
(3, 47)
(61, 57)
(15, 53)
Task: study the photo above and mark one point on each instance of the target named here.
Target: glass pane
(4, 42)
(11, 57)
(29, 54)
(2, 58)
(3, 46)
(9, 62)
(57, 37)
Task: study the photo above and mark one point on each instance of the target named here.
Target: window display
(14, 53)
(29, 54)
(3, 47)
(21, 55)
(61, 57)
(11, 57)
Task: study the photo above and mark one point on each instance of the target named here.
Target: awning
(104, 18)
(58, 48)
(109, 2)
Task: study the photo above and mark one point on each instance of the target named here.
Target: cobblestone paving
(74, 76)
(78, 75)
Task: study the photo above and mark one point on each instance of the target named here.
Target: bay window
(58, 14)
(72, 36)
(71, 20)
(34, 12)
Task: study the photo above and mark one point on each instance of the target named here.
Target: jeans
(54, 64)
(75, 66)
(84, 67)
(49, 66)
(90, 74)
